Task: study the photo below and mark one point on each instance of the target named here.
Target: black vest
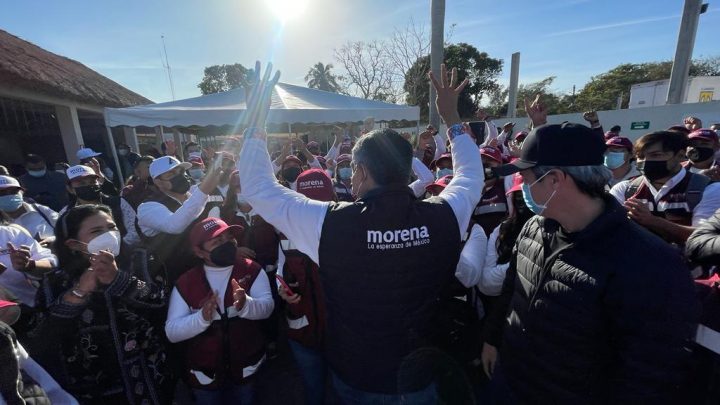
(172, 254)
(383, 263)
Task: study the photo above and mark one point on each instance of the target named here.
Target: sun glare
(286, 10)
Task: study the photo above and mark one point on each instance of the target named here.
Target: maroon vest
(229, 344)
(673, 206)
(259, 236)
(492, 208)
(306, 319)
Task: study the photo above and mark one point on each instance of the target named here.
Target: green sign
(640, 125)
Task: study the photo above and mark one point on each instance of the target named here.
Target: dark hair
(68, 226)
(590, 180)
(509, 232)
(679, 128)
(616, 129)
(34, 159)
(143, 159)
(386, 155)
(671, 141)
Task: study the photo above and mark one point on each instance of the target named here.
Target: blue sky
(570, 39)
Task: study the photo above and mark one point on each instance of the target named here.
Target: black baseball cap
(562, 145)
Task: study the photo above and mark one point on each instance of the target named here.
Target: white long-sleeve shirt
(492, 274)
(424, 177)
(154, 218)
(705, 209)
(440, 147)
(23, 285)
(301, 219)
(34, 220)
(490, 133)
(53, 390)
(470, 266)
(184, 323)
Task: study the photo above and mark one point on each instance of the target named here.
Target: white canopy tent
(290, 104)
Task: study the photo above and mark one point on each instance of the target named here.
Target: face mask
(344, 173)
(180, 184)
(700, 154)
(37, 173)
(88, 193)
(613, 160)
(11, 203)
(109, 241)
(123, 152)
(653, 169)
(291, 174)
(443, 172)
(196, 174)
(530, 201)
(224, 255)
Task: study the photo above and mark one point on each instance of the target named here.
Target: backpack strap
(633, 187)
(695, 190)
(42, 214)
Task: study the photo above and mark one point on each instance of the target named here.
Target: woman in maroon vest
(305, 299)
(214, 310)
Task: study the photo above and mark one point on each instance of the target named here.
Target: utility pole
(514, 77)
(437, 50)
(166, 65)
(684, 49)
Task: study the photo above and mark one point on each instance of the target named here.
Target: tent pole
(111, 143)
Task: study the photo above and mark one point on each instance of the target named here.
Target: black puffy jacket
(607, 319)
(703, 246)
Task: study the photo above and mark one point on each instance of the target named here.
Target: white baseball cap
(8, 182)
(164, 164)
(79, 171)
(86, 153)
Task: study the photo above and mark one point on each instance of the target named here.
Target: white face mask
(109, 241)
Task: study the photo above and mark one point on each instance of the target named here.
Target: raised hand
(20, 257)
(209, 305)
(288, 296)
(591, 117)
(536, 111)
(258, 96)
(447, 95)
(692, 123)
(425, 138)
(481, 114)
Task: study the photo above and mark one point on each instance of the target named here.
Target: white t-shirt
(23, 285)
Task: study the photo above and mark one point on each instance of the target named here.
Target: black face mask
(700, 154)
(88, 193)
(291, 174)
(180, 184)
(654, 169)
(224, 255)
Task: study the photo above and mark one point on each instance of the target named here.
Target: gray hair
(590, 180)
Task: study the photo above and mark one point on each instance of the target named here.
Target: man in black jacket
(599, 310)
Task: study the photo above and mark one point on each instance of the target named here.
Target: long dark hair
(68, 226)
(510, 230)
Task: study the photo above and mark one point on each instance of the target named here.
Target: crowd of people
(557, 264)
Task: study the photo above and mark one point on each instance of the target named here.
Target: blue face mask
(37, 173)
(10, 203)
(443, 172)
(613, 160)
(530, 201)
(345, 173)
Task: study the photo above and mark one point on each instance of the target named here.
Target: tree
(404, 47)
(479, 67)
(219, 78)
(602, 92)
(555, 103)
(369, 72)
(320, 77)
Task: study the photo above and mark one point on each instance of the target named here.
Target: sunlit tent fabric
(290, 104)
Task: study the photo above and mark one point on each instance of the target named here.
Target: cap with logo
(562, 145)
(9, 182)
(165, 164)
(86, 153)
(492, 153)
(439, 185)
(80, 171)
(315, 185)
(704, 133)
(210, 228)
(344, 158)
(620, 142)
(610, 135)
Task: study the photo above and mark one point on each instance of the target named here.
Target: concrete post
(437, 52)
(131, 138)
(70, 131)
(683, 51)
(113, 152)
(513, 89)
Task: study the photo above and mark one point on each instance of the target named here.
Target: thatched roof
(27, 66)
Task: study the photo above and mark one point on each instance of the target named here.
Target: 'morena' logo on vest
(398, 238)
